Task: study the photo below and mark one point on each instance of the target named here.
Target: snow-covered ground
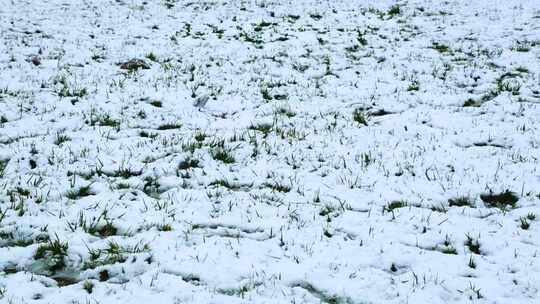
(269, 151)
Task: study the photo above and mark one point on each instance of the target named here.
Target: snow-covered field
(269, 151)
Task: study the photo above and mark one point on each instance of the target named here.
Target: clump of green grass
(252, 39)
(523, 45)
(316, 16)
(88, 286)
(34, 150)
(104, 120)
(472, 103)
(360, 37)
(524, 223)
(61, 138)
(277, 186)
(222, 182)
(121, 186)
(265, 93)
(19, 191)
(441, 208)
(141, 114)
(151, 186)
(53, 254)
(223, 155)
(395, 10)
(259, 27)
(502, 200)
(188, 163)
(472, 263)
(508, 82)
(170, 126)
(395, 205)
(3, 166)
(285, 111)
(107, 230)
(126, 173)
(133, 65)
(460, 201)
(292, 18)
(327, 210)
(164, 227)
(360, 117)
(148, 135)
(448, 247)
(169, 3)
(93, 226)
(366, 158)
(473, 244)
(449, 250)
(327, 233)
(191, 146)
(112, 253)
(522, 69)
(65, 91)
(229, 185)
(475, 292)
(440, 47)
(152, 57)
(264, 128)
(200, 136)
(414, 86)
(280, 96)
(80, 192)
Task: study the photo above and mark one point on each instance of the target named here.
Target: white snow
(274, 152)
